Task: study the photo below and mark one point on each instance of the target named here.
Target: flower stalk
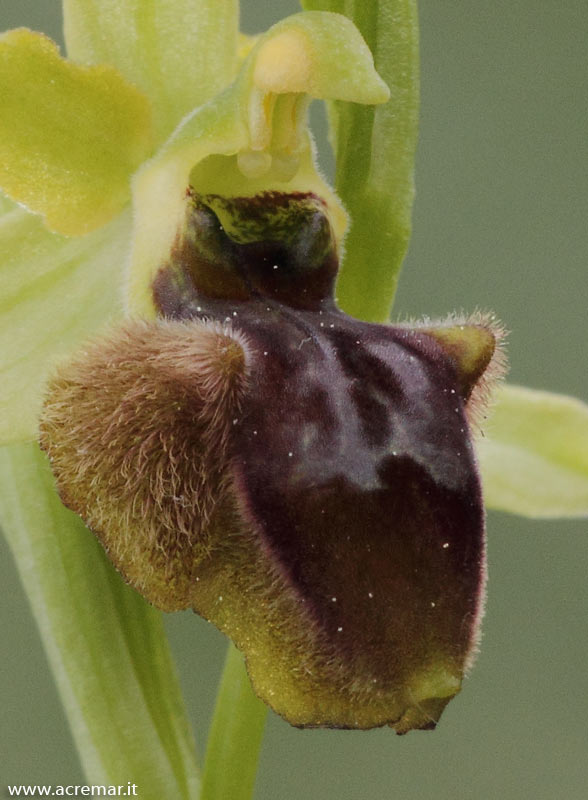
(375, 151)
(235, 736)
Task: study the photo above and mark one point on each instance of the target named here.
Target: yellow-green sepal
(70, 136)
(55, 293)
(179, 52)
(534, 456)
(253, 137)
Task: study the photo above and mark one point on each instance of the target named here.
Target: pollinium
(304, 480)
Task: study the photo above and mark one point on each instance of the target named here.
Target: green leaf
(106, 646)
(179, 52)
(375, 150)
(534, 457)
(235, 736)
(70, 136)
(55, 293)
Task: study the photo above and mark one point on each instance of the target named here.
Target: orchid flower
(175, 336)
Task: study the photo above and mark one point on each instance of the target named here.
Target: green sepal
(70, 136)
(179, 52)
(105, 644)
(56, 292)
(534, 456)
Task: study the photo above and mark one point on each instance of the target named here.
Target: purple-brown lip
(327, 506)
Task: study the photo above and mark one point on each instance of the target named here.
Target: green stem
(106, 646)
(235, 735)
(375, 151)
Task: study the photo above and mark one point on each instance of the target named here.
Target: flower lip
(299, 455)
(352, 461)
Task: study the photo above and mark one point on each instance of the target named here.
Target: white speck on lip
(234, 313)
(197, 578)
(453, 391)
(333, 599)
(433, 605)
(339, 630)
(322, 324)
(290, 454)
(457, 410)
(275, 266)
(235, 421)
(357, 341)
(445, 545)
(331, 325)
(198, 308)
(265, 354)
(255, 433)
(370, 594)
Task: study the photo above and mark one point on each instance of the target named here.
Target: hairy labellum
(304, 480)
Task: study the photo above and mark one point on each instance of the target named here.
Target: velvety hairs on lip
(303, 480)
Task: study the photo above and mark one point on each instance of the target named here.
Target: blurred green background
(500, 223)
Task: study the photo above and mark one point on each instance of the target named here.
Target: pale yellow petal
(70, 136)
